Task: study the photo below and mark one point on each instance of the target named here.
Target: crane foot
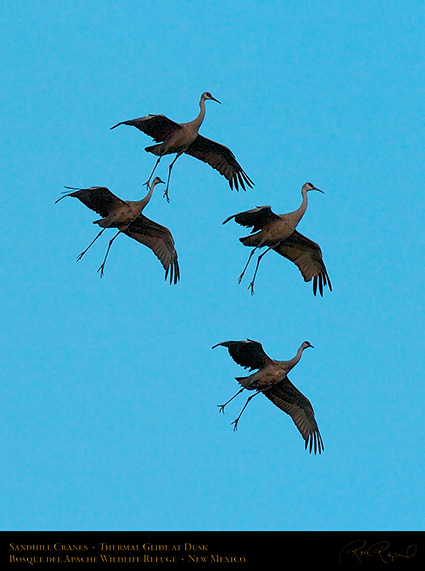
(235, 422)
(165, 195)
(80, 256)
(221, 406)
(251, 287)
(101, 270)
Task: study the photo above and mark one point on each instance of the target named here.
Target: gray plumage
(182, 138)
(272, 381)
(127, 216)
(278, 232)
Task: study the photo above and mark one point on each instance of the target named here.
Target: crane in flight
(278, 232)
(271, 380)
(126, 215)
(179, 138)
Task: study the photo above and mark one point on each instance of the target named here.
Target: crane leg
(90, 245)
(226, 403)
(246, 265)
(154, 169)
(235, 422)
(251, 285)
(102, 267)
(169, 176)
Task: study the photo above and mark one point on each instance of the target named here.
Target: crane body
(278, 232)
(272, 381)
(126, 215)
(179, 138)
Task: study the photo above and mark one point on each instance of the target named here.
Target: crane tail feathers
(251, 240)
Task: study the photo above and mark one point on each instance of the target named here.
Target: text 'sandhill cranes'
(182, 138)
(278, 233)
(126, 215)
(271, 380)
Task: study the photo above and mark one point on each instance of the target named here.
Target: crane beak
(310, 345)
(156, 180)
(318, 189)
(216, 100)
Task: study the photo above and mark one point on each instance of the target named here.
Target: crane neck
(144, 201)
(199, 119)
(299, 213)
(292, 362)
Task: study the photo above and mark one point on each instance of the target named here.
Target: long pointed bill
(216, 100)
(318, 189)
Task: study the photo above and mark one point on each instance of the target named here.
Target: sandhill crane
(126, 215)
(271, 380)
(182, 138)
(277, 231)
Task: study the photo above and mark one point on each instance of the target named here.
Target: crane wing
(159, 127)
(249, 354)
(307, 255)
(97, 198)
(221, 159)
(289, 399)
(159, 239)
(256, 217)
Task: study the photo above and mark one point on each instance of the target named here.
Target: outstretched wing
(159, 239)
(256, 217)
(221, 159)
(289, 399)
(97, 198)
(307, 255)
(249, 354)
(159, 127)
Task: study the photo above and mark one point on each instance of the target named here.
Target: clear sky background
(110, 387)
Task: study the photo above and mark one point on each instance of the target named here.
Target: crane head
(207, 95)
(309, 186)
(157, 180)
(307, 344)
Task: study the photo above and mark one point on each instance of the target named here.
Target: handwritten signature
(359, 550)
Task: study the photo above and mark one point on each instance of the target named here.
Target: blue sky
(110, 386)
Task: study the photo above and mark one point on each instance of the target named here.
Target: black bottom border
(157, 550)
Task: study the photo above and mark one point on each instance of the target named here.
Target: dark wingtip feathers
(314, 443)
(129, 122)
(241, 179)
(321, 280)
(66, 193)
(173, 271)
(229, 218)
(222, 344)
